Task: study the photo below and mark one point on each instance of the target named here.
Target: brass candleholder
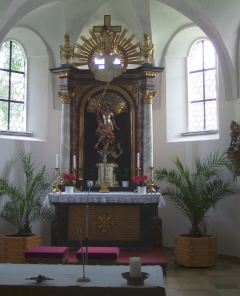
(151, 189)
(56, 189)
(74, 182)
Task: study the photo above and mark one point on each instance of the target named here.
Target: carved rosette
(148, 96)
(66, 96)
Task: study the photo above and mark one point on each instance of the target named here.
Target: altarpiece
(107, 120)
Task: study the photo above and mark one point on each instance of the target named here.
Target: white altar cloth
(111, 197)
(103, 279)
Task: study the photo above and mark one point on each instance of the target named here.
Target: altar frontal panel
(105, 223)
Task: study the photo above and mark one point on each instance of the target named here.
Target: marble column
(148, 97)
(66, 97)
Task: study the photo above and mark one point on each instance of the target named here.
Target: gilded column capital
(66, 96)
(148, 96)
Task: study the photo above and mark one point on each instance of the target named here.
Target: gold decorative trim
(80, 89)
(122, 92)
(91, 76)
(107, 39)
(66, 96)
(140, 75)
(148, 96)
(133, 89)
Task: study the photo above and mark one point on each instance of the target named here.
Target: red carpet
(157, 257)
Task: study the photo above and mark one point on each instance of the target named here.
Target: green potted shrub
(22, 208)
(194, 194)
(123, 175)
(90, 174)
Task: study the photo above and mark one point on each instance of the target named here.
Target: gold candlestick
(151, 189)
(56, 189)
(138, 170)
(74, 182)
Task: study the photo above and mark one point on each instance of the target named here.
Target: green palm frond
(195, 193)
(24, 207)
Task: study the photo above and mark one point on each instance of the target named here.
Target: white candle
(138, 160)
(135, 267)
(151, 160)
(74, 161)
(56, 161)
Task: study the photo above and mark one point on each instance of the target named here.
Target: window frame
(9, 101)
(192, 132)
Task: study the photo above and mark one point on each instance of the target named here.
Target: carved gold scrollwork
(148, 96)
(105, 222)
(133, 89)
(66, 96)
(81, 89)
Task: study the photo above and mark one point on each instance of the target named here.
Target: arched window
(202, 92)
(12, 87)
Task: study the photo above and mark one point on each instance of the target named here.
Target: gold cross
(105, 222)
(107, 22)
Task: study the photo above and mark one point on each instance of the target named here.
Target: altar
(126, 220)
(63, 280)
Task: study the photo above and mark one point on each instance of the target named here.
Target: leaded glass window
(202, 87)
(12, 87)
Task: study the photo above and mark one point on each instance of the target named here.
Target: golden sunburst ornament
(108, 51)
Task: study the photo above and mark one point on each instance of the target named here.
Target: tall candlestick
(138, 160)
(56, 160)
(74, 161)
(135, 267)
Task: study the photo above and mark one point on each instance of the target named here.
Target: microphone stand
(82, 279)
(87, 209)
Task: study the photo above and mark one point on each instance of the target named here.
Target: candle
(135, 267)
(138, 160)
(74, 161)
(151, 159)
(56, 161)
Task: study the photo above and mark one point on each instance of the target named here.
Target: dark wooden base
(130, 227)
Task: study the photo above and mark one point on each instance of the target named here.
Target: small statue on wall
(234, 144)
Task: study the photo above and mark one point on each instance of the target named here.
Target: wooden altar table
(104, 280)
(117, 219)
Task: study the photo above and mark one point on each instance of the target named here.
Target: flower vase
(142, 189)
(69, 189)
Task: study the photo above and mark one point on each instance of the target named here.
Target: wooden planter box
(12, 249)
(195, 252)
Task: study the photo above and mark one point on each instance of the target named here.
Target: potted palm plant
(194, 194)
(22, 208)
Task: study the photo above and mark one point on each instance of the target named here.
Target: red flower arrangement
(69, 179)
(140, 180)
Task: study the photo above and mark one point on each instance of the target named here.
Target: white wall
(43, 120)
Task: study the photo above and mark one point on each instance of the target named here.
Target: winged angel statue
(106, 112)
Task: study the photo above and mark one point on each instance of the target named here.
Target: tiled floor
(221, 280)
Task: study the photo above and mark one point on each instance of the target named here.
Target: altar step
(155, 257)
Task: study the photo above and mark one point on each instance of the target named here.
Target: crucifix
(107, 25)
(107, 32)
(104, 184)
